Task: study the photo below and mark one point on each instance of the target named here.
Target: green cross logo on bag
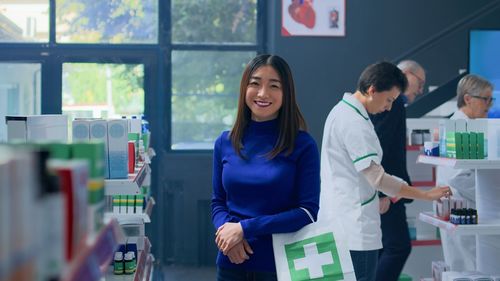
(314, 258)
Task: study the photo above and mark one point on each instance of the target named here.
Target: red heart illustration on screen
(302, 12)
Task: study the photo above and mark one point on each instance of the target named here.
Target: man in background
(390, 127)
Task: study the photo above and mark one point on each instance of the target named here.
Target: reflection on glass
(19, 91)
(24, 21)
(215, 21)
(205, 89)
(102, 90)
(104, 21)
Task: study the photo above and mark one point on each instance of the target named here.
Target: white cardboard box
(118, 148)
(99, 131)
(81, 130)
(36, 128)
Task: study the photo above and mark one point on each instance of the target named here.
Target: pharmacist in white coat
(474, 99)
(350, 165)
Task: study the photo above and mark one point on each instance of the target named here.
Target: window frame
(156, 58)
(259, 47)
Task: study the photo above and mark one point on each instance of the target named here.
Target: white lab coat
(459, 251)
(349, 146)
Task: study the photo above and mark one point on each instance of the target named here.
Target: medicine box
(118, 148)
(36, 128)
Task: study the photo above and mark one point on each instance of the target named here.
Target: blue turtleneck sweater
(265, 196)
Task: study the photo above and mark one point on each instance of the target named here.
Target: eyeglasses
(421, 81)
(488, 100)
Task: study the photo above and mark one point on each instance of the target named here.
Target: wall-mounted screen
(484, 60)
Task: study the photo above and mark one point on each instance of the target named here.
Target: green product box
(116, 203)
(145, 190)
(473, 145)
(134, 137)
(95, 189)
(92, 151)
(58, 150)
(145, 140)
(123, 204)
(451, 151)
(139, 204)
(481, 153)
(465, 145)
(459, 146)
(130, 204)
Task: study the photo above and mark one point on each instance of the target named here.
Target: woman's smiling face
(264, 95)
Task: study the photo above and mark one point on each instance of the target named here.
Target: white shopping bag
(316, 252)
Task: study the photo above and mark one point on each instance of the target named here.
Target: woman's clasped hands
(230, 241)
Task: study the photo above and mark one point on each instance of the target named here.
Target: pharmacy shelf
(418, 243)
(468, 229)
(143, 268)
(94, 257)
(487, 196)
(130, 186)
(459, 163)
(144, 217)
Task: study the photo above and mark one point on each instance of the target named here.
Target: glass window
(102, 90)
(24, 21)
(218, 21)
(19, 91)
(104, 21)
(205, 89)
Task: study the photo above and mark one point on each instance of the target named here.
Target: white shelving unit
(131, 185)
(487, 197)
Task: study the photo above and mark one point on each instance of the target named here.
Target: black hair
(383, 76)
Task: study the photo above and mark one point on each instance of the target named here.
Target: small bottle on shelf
(118, 266)
(130, 263)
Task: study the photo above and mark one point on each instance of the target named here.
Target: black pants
(396, 243)
(224, 274)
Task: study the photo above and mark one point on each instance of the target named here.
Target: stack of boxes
(468, 139)
(128, 204)
(124, 142)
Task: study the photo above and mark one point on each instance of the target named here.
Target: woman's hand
(239, 253)
(384, 205)
(228, 235)
(438, 192)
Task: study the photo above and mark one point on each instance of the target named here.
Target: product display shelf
(472, 229)
(131, 185)
(95, 255)
(144, 217)
(487, 232)
(479, 164)
(143, 269)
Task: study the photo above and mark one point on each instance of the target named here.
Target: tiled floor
(186, 273)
